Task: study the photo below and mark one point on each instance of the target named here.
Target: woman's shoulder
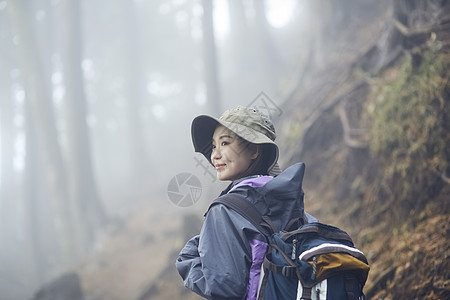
(228, 220)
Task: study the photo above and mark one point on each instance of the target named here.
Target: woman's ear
(255, 151)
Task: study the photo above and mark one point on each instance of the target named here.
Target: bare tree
(86, 207)
(39, 98)
(135, 91)
(239, 33)
(7, 148)
(269, 59)
(210, 59)
(36, 209)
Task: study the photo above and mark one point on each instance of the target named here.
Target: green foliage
(366, 239)
(294, 131)
(410, 123)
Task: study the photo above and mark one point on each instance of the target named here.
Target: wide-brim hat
(247, 123)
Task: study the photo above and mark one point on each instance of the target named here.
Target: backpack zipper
(294, 250)
(313, 275)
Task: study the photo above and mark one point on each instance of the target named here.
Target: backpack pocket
(316, 261)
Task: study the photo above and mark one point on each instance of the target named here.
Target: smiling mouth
(219, 166)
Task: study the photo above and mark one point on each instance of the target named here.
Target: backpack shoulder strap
(246, 209)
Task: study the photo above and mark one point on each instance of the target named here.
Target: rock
(65, 287)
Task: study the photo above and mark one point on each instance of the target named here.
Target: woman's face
(230, 156)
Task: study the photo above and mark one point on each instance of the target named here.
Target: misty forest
(100, 187)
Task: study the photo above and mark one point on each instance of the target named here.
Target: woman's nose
(216, 154)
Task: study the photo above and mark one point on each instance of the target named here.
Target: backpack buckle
(286, 271)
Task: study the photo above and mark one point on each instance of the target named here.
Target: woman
(224, 261)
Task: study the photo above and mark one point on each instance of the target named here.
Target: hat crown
(251, 118)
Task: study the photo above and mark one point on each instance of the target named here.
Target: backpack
(304, 261)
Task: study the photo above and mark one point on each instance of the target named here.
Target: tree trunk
(39, 98)
(86, 207)
(7, 174)
(210, 60)
(136, 93)
(36, 210)
(239, 35)
(269, 59)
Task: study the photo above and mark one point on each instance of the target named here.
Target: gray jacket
(224, 261)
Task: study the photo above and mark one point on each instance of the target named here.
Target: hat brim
(203, 127)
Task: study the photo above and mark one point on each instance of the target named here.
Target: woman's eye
(224, 143)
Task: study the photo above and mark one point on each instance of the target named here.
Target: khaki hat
(248, 123)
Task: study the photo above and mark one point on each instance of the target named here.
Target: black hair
(259, 165)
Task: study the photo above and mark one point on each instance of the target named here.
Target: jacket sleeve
(216, 264)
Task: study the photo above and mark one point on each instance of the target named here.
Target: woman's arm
(216, 264)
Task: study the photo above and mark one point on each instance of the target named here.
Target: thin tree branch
(349, 141)
(443, 176)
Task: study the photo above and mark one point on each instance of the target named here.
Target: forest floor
(131, 255)
(409, 260)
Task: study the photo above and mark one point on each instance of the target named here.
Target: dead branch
(406, 31)
(443, 176)
(348, 131)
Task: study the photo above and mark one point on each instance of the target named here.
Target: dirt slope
(373, 164)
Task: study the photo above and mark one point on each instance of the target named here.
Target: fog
(97, 98)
